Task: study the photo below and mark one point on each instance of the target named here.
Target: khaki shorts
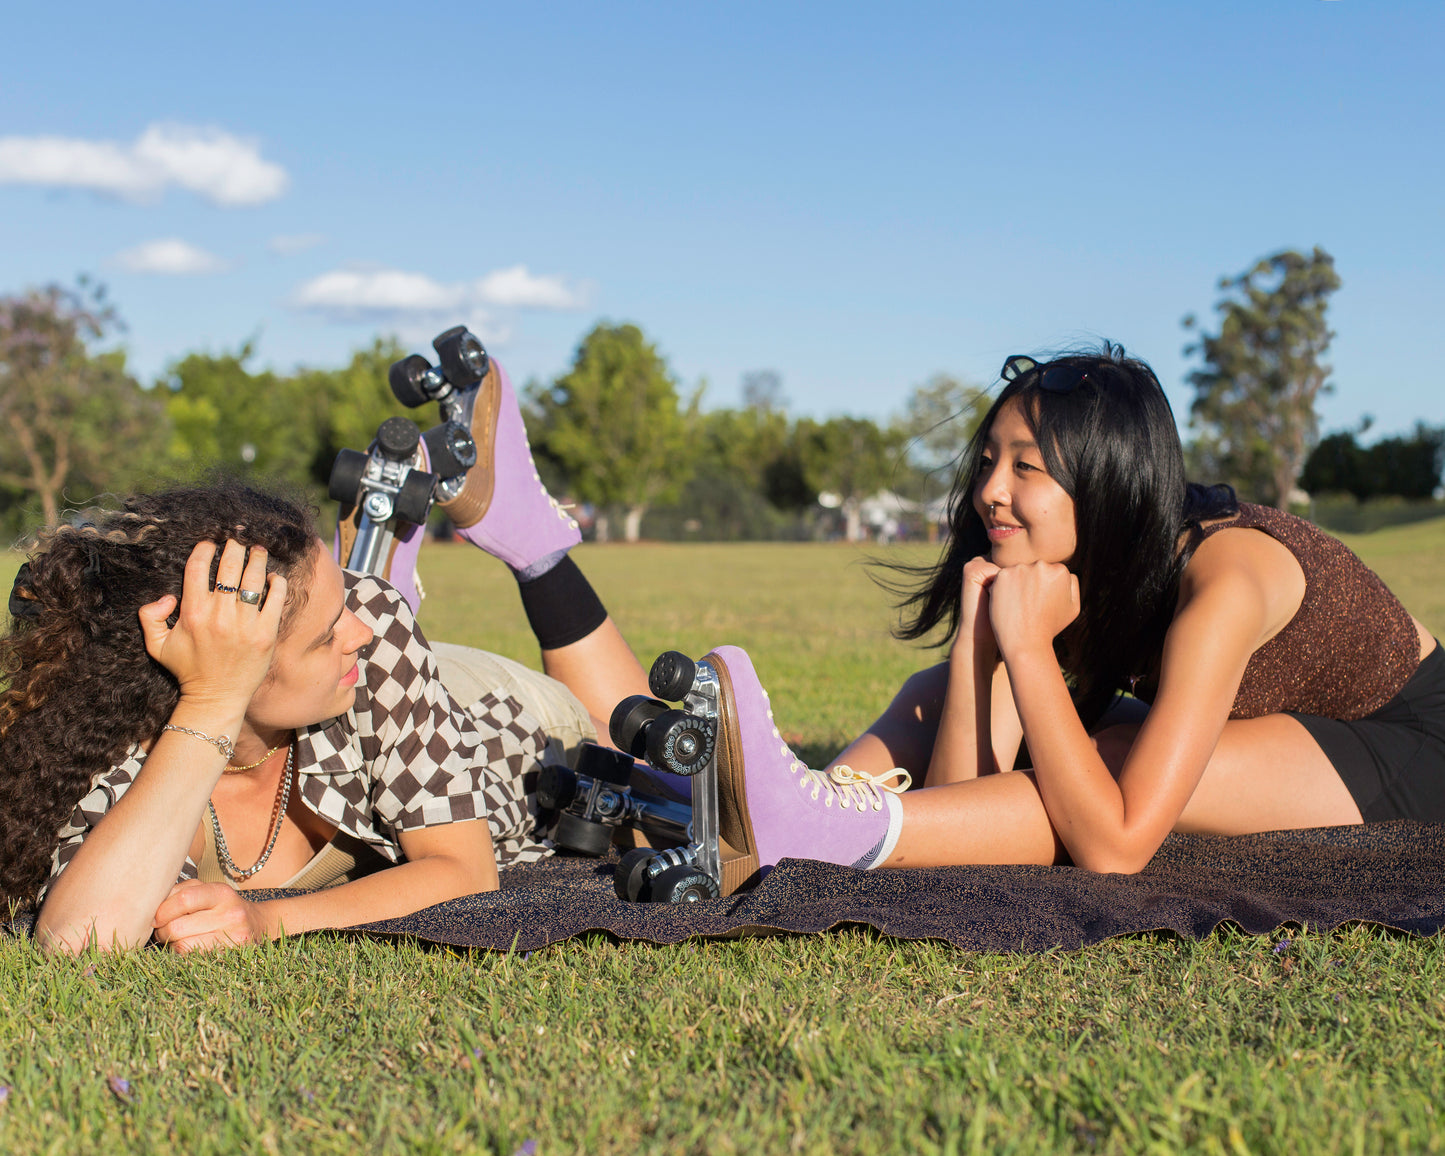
(469, 674)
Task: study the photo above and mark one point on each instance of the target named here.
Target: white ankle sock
(884, 847)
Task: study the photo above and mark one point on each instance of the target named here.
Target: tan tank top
(1350, 647)
(340, 861)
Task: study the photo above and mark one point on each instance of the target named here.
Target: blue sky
(856, 196)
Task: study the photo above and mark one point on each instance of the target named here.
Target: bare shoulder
(1242, 564)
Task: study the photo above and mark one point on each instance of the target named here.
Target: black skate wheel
(680, 742)
(683, 884)
(672, 675)
(397, 438)
(451, 449)
(463, 358)
(628, 724)
(556, 787)
(408, 380)
(413, 502)
(346, 474)
(631, 882)
(581, 836)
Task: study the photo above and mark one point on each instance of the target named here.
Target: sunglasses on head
(1055, 377)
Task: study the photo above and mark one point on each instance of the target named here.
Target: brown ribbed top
(1349, 648)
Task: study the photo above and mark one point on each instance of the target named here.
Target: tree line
(618, 432)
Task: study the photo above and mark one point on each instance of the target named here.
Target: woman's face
(313, 672)
(1028, 515)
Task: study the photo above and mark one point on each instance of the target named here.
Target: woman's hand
(204, 916)
(974, 626)
(1030, 604)
(220, 647)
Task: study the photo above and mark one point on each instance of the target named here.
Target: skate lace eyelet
(857, 788)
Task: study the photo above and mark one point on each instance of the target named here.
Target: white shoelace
(852, 788)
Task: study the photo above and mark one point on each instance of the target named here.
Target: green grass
(842, 1043)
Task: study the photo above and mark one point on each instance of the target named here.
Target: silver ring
(249, 597)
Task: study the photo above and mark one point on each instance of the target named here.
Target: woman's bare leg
(600, 670)
(1266, 774)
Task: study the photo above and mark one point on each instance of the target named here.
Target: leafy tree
(1403, 467)
(850, 457)
(1254, 404)
(1408, 467)
(939, 418)
(223, 414)
(1336, 466)
(615, 425)
(763, 389)
(344, 406)
(72, 423)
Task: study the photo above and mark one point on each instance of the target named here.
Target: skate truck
(388, 492)
(386, 495)
(677, 742)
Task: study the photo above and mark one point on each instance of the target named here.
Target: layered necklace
(278, 814)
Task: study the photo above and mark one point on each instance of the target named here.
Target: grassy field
(1302, 1042)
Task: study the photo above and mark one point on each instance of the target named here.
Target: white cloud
(224, 169)
(289, 244)
(402, 299)
(356, 294)
(169, 255)
(520, 289)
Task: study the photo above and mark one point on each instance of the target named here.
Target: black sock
(561, 605)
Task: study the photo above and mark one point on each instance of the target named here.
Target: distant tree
(615, 426)
(224, 415)
(763, 390)
(1254, 404)
(851, 458)
(1336, 466)
(1404, 467)
(939, 418)
(73, 423)
(345, 405)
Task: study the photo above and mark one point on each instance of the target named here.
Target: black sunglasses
(1054, 377)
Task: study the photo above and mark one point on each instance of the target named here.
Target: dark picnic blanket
(1392, 874)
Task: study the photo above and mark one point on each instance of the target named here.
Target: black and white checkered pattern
(405, 756)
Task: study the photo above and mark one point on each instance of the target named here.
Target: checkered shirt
(405, 756)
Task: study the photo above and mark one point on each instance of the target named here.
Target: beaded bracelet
(222, 744)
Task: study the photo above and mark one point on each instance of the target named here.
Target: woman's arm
(219, 650)
(442, 862)
(978, 729)
(1240, 589)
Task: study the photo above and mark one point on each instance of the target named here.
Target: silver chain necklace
(278, 816)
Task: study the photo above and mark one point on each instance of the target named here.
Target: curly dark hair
(81, 687)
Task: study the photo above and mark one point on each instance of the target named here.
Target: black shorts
(1393, 761)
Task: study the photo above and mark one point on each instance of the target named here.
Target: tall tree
(346, 405)
(1254, 403)
(851, 458)
(615, 425)
(72, 423)
(224, 414)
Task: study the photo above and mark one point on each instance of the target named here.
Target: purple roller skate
(504, 508)
(773, 807)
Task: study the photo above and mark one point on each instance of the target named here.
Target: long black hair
(1111, 443)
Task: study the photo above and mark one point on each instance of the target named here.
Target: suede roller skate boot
(504, 508)
(772, 807)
